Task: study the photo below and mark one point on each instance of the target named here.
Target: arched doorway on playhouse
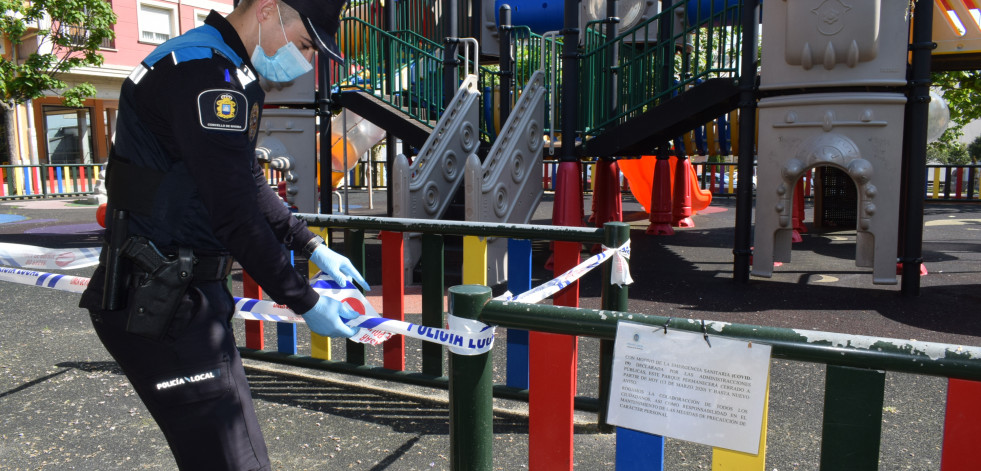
(858, 134)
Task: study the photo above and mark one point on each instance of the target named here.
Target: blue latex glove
(327, 318)
(337, 266)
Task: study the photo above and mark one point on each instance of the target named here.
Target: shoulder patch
(223, 110)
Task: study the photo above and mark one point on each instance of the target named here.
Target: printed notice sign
(677, 385)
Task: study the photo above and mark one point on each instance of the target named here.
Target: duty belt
(212, 268)
(208, 267)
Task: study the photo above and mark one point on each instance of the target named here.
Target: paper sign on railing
(676, 384)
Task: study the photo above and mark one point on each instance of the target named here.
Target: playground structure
(648, 87)
(664, 78)
(642, 117)
(857, 132)
(654, 76)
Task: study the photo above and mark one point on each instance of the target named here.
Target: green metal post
(354, 240)
(614, 298)
(852, 418)
(471, 391)
(11, 181)
(432, 301)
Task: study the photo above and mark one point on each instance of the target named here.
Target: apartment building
(48, 132)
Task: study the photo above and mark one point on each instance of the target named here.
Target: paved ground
(64, 404)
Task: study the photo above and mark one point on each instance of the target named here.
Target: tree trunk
(10, 154)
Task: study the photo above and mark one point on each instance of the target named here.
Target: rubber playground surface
(64, 404)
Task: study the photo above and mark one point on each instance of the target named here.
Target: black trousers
(193, 381)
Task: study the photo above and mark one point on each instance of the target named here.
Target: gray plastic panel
(292, 134)
(834, 43)
(859, 133)
(507, 187)
(299, 91)
(424, 189)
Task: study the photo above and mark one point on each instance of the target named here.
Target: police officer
(187, 196)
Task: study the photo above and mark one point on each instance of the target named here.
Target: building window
(199, 18)
(156, 23)
(78, 35)
(68, 134)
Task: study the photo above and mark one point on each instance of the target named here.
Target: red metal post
(254, 336)
(568, 207)
(552, 359)
(52, 181)
(962, 426)
(797, 212)
(681, 211)
(959, 186)
(661, 197)
(36, 175)
(607, 205)
(393, 296)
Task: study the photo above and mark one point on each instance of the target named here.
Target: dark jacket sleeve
(221, 164)
(290, 230)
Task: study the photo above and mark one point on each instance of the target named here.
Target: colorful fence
(522, 347)
(953, 182)
(390, 231)
(854, 386)
(944, 182)
(856, 365)
(19, 181)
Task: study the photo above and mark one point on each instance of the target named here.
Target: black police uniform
(183, 166)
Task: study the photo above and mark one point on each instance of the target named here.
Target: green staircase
(635, 95)
(638, 95)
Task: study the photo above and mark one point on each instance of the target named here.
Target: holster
(114, 288)
(157, 286)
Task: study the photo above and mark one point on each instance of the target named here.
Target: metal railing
(528, 57)
(856, 368)
(390, 231)
(856, 365)
(421, 16)
(395, 67)
(632, 74)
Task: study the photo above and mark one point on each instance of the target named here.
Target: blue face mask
(285, 65)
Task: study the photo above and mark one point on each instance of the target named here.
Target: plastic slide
(361, 135)
(640, 174)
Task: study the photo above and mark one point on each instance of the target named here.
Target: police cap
(322, 18)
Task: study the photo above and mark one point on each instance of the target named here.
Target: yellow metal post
(319, 345)
(474, 260)
(728, 460)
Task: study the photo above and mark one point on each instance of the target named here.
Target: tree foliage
(974, 150)
(955, 153)
(68, 35)
(962, 92)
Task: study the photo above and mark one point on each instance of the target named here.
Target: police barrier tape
(620, 275)
(72, 284)
(42, 258)
(464, 336)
